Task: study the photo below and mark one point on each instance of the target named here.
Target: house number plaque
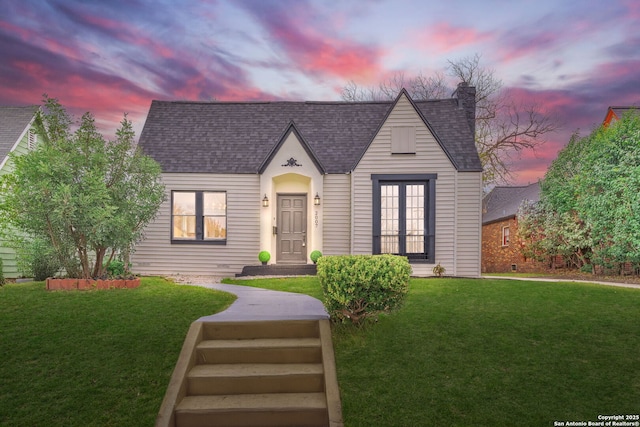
(316, 219)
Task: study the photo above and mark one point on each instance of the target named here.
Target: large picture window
(404, 215)
(199, 217)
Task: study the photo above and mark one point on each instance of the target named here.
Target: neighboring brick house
(501, 252)
(615, 113)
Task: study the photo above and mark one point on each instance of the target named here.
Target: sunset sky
(575, 58)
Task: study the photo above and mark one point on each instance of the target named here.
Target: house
(615, 113)
(501, 252)
(16, 136)
(398, 176)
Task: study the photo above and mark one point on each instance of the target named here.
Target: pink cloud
(305, 38)
(444, 37)
(633, 10)
(516, 46)
(550, 101)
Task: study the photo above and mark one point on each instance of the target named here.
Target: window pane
(215, 203)
(414, 220)
(505, 236)
(184, 203)
(184, 227)
(215, 227)
(389, 217)
(389, 244)
(184, 215)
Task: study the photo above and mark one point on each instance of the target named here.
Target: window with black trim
(404, 215)
(199, 217)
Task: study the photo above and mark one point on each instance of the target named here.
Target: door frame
(305, 244)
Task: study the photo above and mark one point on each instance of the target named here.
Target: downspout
(352, 209)
(455, 223)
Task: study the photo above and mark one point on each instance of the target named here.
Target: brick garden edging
(88, 284)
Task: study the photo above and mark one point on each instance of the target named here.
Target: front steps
(278, 270)
(266, 373)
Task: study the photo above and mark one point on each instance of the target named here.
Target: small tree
(89, 197)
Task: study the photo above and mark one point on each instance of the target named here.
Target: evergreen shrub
(359, 286)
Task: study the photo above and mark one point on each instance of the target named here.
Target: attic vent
(31, 141)
(403, 140)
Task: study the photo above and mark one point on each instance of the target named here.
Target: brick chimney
(467, 100)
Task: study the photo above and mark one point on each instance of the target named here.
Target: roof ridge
(270, 102)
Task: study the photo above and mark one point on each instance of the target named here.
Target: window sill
(421, 261)
(199, 242)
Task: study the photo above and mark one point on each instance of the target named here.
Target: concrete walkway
(545, 279)
(254, 304)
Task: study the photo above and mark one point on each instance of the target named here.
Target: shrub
(439, 270)
(36, 258)
(587, 268)
(315, 255)
(116, 268)
(264, 256)
(359, 286)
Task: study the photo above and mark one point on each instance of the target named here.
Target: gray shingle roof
(13, 121)
(234, 137)
(503, 202)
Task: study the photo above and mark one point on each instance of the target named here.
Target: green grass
(490, 352)
(93, 358)
(301, 285)
(461, 352)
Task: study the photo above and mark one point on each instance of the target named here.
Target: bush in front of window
(439, 270)
(264, 257)
(357, 287)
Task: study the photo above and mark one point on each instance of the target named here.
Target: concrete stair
(266, 373)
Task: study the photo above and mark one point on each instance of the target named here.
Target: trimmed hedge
(359, 286)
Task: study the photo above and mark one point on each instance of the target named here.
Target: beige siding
(336, 215)
(156, 254)
(429, 158)
(469, 224)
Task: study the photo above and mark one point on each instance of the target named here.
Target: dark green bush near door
(359, 286)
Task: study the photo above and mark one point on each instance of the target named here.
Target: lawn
(460, 352)
(490, 352)
(93, 358)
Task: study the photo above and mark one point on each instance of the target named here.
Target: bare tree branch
(503, 128)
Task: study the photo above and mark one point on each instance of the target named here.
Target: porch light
(316, 200)
(265, 201)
